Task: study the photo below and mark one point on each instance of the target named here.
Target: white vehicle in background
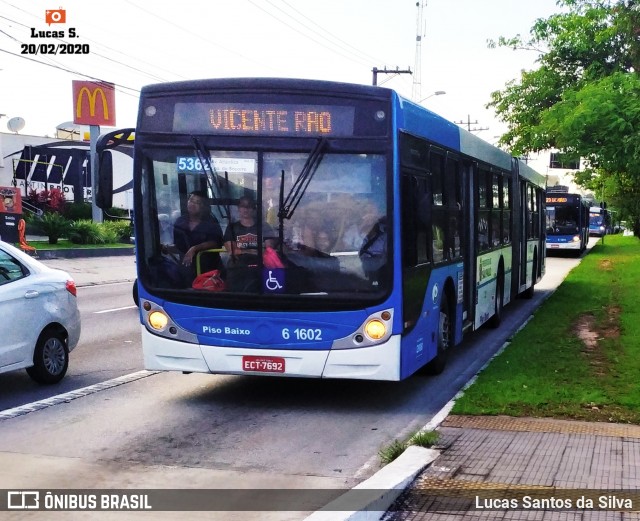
(40, 322)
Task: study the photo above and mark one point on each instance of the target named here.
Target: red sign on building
(94, 103)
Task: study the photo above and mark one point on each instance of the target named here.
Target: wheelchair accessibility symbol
(274, 280)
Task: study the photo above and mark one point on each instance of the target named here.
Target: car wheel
(50, 359)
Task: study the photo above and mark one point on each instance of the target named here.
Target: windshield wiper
(287, 205)
(299, 187)
(212, 178)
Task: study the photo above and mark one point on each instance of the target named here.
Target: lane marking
(115, 309)
(72, 395)
(104, 283)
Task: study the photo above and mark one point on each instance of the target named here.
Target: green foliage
(32, 224)
(392, 451)
(396, 448)
(76, 211)
(120, 230)
(549, 369)
(584, 96)
(54, 225)
(425, 438)
(86, 231)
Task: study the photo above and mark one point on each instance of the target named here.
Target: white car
(40, 321)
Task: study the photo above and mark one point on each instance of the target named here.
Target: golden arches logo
(92, 97)
(94, 103)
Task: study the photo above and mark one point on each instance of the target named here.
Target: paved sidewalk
(527, 468)
(504, 468)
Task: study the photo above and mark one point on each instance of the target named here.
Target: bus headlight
(375, 329)
(158, 320)
(576, 238)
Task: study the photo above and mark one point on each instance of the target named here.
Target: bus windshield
(284, 228)
(596, 219)
(563, 220)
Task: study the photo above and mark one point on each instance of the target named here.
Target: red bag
(270, 258)
(211, 281)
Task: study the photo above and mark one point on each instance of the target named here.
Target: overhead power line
(70, 71)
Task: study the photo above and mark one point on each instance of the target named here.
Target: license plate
(555, 246)
(263, 364)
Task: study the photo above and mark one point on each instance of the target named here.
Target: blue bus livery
(567, 222)
(382, 232)
(599, 221)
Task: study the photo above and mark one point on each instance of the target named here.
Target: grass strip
(579, 357)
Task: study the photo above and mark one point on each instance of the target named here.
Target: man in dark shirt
(196, 232)
(241, 241)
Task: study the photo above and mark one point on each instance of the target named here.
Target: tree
(584, 98)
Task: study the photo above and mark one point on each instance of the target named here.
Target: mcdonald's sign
(94, 103)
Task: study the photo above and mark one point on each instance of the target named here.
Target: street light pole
(436, 93)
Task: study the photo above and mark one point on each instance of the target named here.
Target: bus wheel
(437, 365)
(135, 293)
(528, 293)
(496, 319)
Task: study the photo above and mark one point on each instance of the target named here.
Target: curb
(369, 500)
(103, 282)
(82, 253)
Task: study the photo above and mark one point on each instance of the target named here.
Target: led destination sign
(264, 119)
(562, 199)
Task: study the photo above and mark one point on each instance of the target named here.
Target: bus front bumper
(380, 362)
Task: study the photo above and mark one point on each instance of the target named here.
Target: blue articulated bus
(599, 221)
(379, 232)
(567, 222)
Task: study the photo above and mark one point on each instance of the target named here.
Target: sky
(132, 43)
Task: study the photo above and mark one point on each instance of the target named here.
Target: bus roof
(281, 84)
(420, 120)
(415, 118)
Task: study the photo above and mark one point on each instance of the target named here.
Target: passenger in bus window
(318, 231)
(355, 234)
(195, 232)
(373, 252)
(323, 241)
(241, 242)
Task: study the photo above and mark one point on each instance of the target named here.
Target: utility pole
(376, 71)
(417, 66)
(468, 123)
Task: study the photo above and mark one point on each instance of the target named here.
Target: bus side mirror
(104, 192)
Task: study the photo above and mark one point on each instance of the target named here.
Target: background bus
(599, 221)
(567, 221)
(382, 231)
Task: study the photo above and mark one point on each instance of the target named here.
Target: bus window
(496, 210)
(484, 211)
